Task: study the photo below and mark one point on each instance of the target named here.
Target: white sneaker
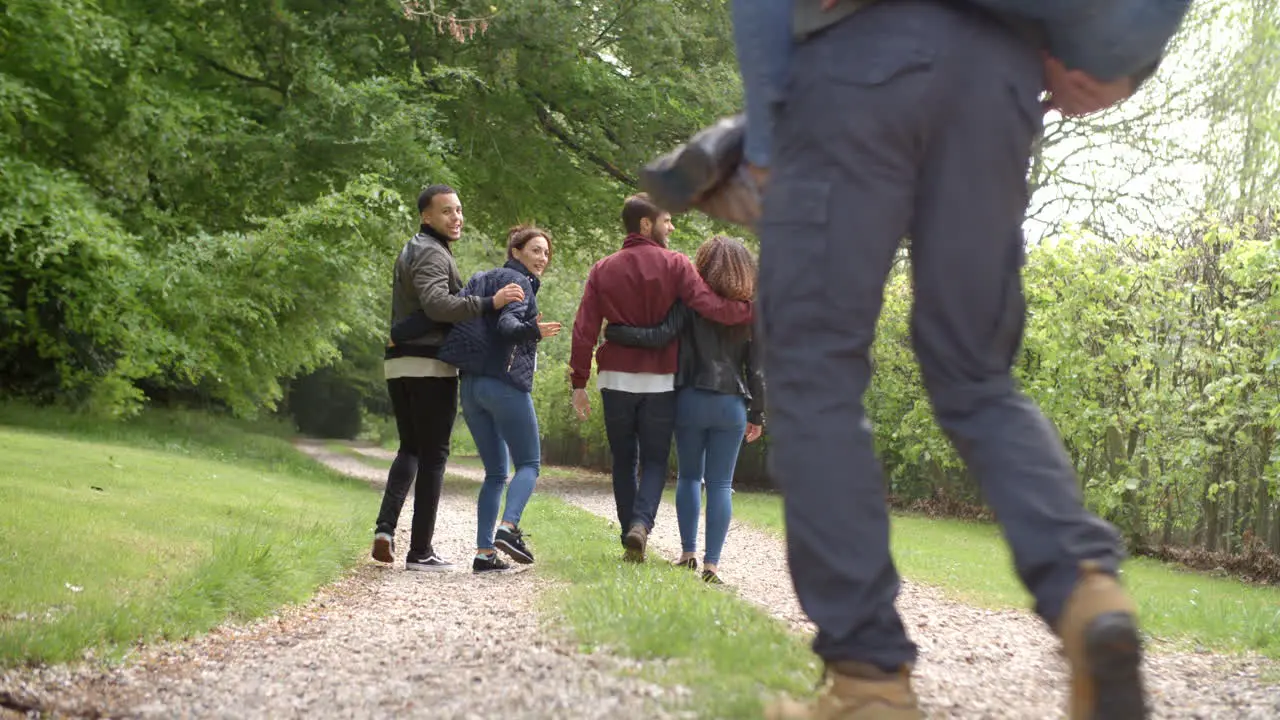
(430, 563)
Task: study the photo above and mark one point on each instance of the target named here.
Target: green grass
(344, 449)
(459, 443)
(729, 652)
(163, 527)
(970, 562)
(262, 444)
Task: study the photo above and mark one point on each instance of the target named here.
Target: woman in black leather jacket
(721, 397)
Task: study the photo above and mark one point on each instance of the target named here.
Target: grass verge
(158, 528)
(729, 652)
(260, 444)
(970, 562)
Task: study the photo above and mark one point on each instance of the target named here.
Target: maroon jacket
(637, 286)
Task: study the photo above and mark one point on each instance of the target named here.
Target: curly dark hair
(728, 267)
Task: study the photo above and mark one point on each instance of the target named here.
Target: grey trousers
(911, 118)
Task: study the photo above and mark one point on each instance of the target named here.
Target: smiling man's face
(444, 215)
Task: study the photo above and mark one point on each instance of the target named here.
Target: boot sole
(1114, 653)
(417, 567)
(634, 545)
(513, 552)
(382, 551)
(674, 188)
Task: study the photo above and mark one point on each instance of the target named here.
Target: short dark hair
(521, 235)
(425, 197)
(636, 208)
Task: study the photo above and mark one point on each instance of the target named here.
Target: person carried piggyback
(1113, 44)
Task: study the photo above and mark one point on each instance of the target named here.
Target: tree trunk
(1210, 509)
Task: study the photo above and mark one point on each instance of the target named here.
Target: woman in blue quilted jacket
(496, 356)
(497, 400)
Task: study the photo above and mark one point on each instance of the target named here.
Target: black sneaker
(384, 547)
(511, 542)
(430, 562)
(711, 578)
(691, 564)
(488, 563)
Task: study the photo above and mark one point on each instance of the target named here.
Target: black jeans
(639, 427)
(425, 409)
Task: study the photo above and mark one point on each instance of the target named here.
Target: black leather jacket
(713, 357)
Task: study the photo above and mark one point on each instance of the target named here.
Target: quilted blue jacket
(500, 345)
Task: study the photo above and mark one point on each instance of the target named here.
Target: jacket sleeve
(699, 296)
(430, 275)
(654, 336)
(755, 383)
(586, 333)
(415, 325)
(512, 324)
(1142, 76)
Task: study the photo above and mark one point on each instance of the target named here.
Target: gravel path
(380, 643)
(974, 663)
(383, 642)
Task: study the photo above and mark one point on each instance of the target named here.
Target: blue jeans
(709, 430)
(501, 419)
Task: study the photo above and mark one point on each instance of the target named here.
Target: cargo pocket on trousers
(794, 236)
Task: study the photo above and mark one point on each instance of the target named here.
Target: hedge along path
(381, 643)
(974, 663)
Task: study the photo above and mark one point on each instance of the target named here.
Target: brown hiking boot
(1099, 631)
(635, 541)
(855, 691)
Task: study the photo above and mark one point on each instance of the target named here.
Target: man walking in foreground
(424, 390)
(637, 286)
(916, 118)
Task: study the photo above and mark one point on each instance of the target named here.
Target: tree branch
(259, 82)
(622, 13)
(548, 123)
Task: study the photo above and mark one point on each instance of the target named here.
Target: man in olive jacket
(424, 390)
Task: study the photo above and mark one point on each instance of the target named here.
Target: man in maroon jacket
(637, 286)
